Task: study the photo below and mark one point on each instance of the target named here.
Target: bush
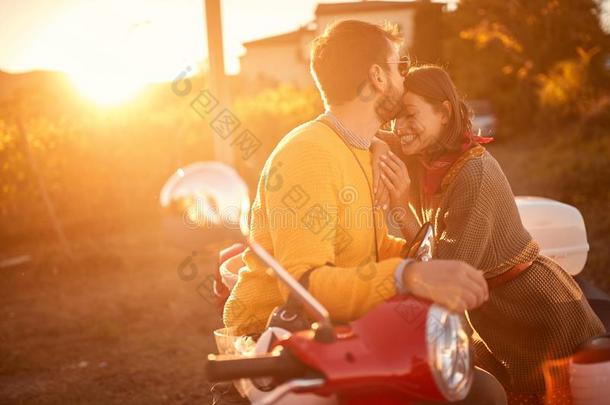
(103, 168)
(539, 62)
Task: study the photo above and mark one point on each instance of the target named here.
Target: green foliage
(537, 60)
(566, 88)
(102, 168)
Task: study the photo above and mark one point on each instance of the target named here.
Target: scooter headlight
(450, 353)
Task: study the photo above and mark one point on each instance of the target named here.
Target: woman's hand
(395, 177)
(382, 195)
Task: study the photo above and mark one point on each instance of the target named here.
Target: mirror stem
(309, 302)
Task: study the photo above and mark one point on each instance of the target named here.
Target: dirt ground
(119, 325)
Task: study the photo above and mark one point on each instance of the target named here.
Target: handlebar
(283, 366)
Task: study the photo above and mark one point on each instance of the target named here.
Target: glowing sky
(154, 38)
(110, 48)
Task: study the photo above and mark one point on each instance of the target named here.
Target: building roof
(287, 38)
(337, 9)
(363, 6)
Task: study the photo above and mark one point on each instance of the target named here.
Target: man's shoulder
(308, 149)
(311, 140)
(311, 134)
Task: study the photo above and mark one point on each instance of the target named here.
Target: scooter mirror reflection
(204, 203)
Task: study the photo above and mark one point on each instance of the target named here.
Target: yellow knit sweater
(313, 210)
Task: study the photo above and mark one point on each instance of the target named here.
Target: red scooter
(403, 349)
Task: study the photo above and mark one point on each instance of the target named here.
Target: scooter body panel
(383, 352)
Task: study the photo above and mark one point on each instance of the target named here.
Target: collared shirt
(348, 135)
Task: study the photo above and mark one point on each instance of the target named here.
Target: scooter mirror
(203, 203)
(422, 247)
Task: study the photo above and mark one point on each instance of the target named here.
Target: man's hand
(450, 283)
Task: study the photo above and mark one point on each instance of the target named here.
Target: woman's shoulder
(476, 170)
(482, 163)
(467, 168)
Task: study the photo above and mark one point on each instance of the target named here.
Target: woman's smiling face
(419, 125)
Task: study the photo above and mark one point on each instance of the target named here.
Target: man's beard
(389, 104)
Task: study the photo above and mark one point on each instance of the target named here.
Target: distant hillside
(50, 91)
(16, 84)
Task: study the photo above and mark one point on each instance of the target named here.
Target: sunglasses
(404, 64)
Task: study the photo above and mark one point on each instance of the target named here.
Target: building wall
(276, 63)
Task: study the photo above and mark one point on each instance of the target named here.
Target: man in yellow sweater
(314, 205)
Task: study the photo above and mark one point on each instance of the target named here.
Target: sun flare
(112, 48)
(106, 90)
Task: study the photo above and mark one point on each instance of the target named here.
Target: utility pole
(216, 75)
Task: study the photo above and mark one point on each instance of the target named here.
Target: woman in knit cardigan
(438, 171)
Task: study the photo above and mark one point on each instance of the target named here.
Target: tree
(520, 53)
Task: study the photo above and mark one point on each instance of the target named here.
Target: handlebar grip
(284, 366)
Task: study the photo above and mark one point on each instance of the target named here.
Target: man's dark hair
(342, 56)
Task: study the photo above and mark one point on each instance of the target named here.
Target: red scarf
(435, 170)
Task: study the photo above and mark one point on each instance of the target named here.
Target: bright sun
(106, 89)
(112, 48)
